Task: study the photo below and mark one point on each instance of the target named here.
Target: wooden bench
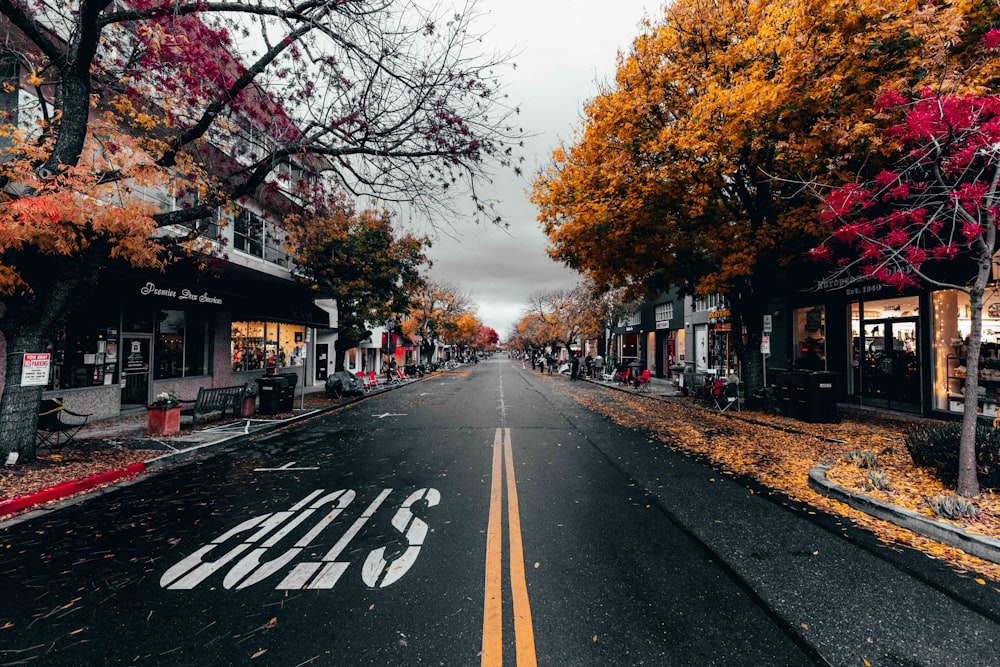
(216, 399)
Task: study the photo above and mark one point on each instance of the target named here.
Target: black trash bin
(288, 393)
(792, 391)
(270, 389)
(820, 403)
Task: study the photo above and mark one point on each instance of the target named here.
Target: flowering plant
(166, 399)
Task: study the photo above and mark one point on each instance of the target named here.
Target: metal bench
(216, 399)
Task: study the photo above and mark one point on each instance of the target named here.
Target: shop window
(181, 347)
(85, 353)
(951, 326)
(809, 338)
(262, 345)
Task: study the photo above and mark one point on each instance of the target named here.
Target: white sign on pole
(767, 324)
(765, 345)
(35, 369)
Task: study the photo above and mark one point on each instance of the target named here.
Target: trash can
(288, 392)
(792, 392)
(820, 399)
(270, 389)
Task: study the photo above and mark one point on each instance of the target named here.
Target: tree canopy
(133, 128)
(688, 171)
(357, 259)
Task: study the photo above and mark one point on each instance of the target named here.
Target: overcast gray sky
(563, 50)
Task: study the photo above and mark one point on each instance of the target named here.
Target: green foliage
(953, 507)
(937, 448)
(876, 480)
(861, 459)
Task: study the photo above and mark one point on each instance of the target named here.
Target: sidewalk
(114, 450)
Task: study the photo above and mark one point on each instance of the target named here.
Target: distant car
(343, 383)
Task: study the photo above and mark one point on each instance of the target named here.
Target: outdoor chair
(57, 426)
(641, 382)
(726, 396)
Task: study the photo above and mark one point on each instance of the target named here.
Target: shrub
(861, 459)
(876, 479)
(953, 507)
(937, 448)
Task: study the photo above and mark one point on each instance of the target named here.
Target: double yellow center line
(524, 635)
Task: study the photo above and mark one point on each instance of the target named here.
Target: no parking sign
(35, 369)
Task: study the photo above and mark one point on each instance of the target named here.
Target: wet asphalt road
(382, 535)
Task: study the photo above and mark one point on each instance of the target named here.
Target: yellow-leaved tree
(688, 170)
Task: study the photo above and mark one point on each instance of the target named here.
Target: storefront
(720, 349)
(117, 349)
(873, 338)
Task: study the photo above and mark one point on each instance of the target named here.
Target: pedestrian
(598, 366)
(589, 366)
(541, 365)
(549, 363)
(574, 367)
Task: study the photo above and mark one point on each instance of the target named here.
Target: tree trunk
(27, 326)
(19, 405)
(968, 479)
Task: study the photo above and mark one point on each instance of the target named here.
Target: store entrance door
(136, 360)
(890, 369)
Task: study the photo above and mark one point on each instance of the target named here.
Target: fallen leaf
(259, 653)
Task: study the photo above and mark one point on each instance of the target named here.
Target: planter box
(163, 421)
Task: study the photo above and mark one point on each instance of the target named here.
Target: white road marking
(287, 466)
(388, 414)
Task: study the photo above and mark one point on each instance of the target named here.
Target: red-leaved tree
(108, 105)
(932, 220)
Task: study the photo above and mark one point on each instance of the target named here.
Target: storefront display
(951, 327)
(262, 345)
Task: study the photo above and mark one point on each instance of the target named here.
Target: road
(480, 517)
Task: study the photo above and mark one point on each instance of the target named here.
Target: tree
(687, 172)
(374, 99)
(357, 259)
(565, 316)
(433, 315)
(485, 338)
(938, 206)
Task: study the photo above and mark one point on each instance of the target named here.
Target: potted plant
(163, 415)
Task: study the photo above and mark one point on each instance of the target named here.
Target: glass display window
(951, 326)
(181, 347)
(263, 345)
(809, 337)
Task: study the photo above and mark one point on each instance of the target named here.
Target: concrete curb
(980, 546)
(69, 488)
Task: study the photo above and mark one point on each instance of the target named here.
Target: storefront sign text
(150, 289)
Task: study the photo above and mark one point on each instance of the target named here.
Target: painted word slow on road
(265, 532)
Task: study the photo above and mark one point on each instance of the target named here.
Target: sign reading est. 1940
(35, 369)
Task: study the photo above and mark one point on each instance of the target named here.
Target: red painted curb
(69, 488)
